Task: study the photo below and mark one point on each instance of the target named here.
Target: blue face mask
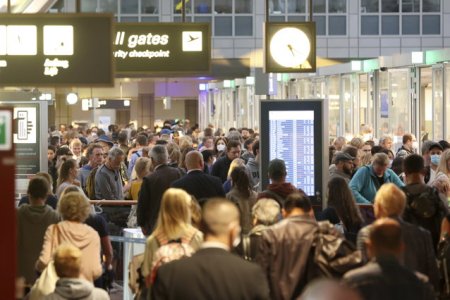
(435, 158)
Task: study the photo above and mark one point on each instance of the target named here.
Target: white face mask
(221, 147)
(415, 146)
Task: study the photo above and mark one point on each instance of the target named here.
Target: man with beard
(344, 166)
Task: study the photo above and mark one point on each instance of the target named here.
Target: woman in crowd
(68, 173)
(243, 196)
(237, 162)
(75, 147)
(220, 146)
(141, 168)
(342, 210)
(442, 181)
(174, 223)
(74, 209)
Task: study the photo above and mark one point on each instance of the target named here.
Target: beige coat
(79, 235)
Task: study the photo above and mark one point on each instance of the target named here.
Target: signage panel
(290, 47)
(162, 48)
(56, 49)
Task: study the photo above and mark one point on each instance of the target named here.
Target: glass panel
(319, 6)
(347, 105)
(369, 25)
(178, 19)
(129, 7)
(389, 25)
(156, 19)
(243, 26)
(398, 105)
(107, 6)
(149, 6)
(296, 6)
(369, 6)
(88, 6)
(431, 24)
(334, 104)
(202, 19)
(177, 4)
(447, 102)
(337, 6)
(431, 6)
(129, 19)
(320, 25)
(389, 6)
(223, 6)
(410, 5)
(223, 26)
(296, 18)
(410, 24)
(426, 104)
(276, 18)
(243, 6)
(337, 25)
(365, 107)
(438, 105)
(202, 6)
(277, 6)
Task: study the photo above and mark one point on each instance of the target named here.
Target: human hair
(64, 170)
(277, 169)
(142, 165)
(222, 138)
(174, 153)
(217, 216)
(75, 142)
(297, 200)
(380, 159)
(376, 149)
(426, 146)
(122, 137)
(237, 162)
(73, 206)
(185, 142)
(255, 147)
(208, 131)
(443, 163)
(141, 140)
(241, 181)
(184, 153)
(90, 149)
(391, 200)
(115, 152)
(38, 188)
(341, 199)
(350, 150)
(248, 142)
(384, 139)
(208, 137)
(413, 163)
(233, 144)
(52, 147)
(366, 158)
(196, 213)
(397, 165)
(357, 142)
(174, 214)
(385, 236)
(207, 154)
(407, 137)
(47, 177)
(266, 211)
(67, 261)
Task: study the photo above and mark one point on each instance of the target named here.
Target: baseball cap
(165, 131)
(341, 156)
(435, 145)
(105, 139)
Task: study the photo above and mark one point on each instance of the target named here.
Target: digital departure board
(293, 130)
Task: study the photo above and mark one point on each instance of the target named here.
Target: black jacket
(150, 195)
(200, 185)
(211, 273)
(220, 168)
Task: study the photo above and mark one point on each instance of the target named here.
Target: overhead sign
(162, 48)
(290, 47)
(56, 49)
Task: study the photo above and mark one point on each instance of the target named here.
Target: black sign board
(162, 48)
(290, 47)
(56, 49)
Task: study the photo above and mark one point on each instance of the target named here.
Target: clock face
(290, 47)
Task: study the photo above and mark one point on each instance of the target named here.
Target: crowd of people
(212, 230)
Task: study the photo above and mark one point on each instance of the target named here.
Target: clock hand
(291, 49)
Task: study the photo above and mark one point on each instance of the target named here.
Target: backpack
(443, 258)
(274, 196)
(90, 184)
(169, 250)
(423, 205)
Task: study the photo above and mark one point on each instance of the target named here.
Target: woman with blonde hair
(67, 175)
(74, 209)
(174, 224)
(237, 162)
(442, 182)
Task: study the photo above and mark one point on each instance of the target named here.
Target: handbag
(46, 283)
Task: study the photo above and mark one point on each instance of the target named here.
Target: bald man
(213, 272)
(197, 183)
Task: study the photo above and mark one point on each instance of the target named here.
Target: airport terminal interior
(225, 149)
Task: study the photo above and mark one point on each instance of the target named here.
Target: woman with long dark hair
(342, 210)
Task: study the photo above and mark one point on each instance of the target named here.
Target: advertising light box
(162, 48)
(56, 49)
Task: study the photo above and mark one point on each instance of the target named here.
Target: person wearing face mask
(212, 270)
(435, 151)
(220, 146)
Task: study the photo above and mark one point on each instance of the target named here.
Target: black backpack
(424, 205)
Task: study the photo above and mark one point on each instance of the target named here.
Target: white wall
(176, 112)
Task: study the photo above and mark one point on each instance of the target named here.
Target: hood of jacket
(73, 288)
(252, 163)
(37, 214)
(282, 189)
(78, 234)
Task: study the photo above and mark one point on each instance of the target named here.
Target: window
(431, 24)
(337, 25)
(243, 6)
(389, 25)
(389, 6)
(319, 6)
(320, 25)
(369, 25)
(202, 6)
(410, 24)
(129, 7)
(223, 6)
(410, 6)
(369, 6)
(223, 26)
(431, 6)
(149, 6)
(337, 6)
(296, 6)
(243, 26)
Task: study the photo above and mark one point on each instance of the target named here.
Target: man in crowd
(95, 155)
(213, 272)
(252, 165)
(141, 142)
(418, 255)
(386, 142)
(153, 187)
(343, 166)
(407, 146)
(108, 182)
(197, 183)
(384, 277)
(220, 168)
(339, 143)
(248, 152)
(434, 152)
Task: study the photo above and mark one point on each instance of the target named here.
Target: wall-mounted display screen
(56, 49)
(292, 130)
(162, 48)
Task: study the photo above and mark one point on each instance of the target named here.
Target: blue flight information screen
(292, 140)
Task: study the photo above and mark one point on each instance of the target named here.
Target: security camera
(383, 69)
